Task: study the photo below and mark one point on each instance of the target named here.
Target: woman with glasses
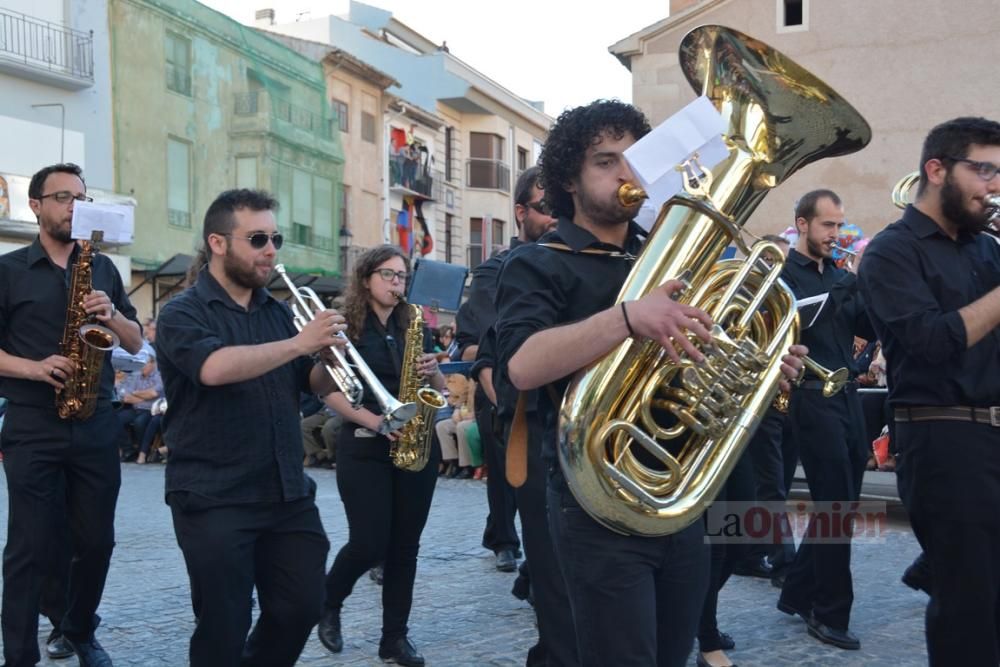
(386, 507)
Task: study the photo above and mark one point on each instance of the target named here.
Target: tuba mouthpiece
(630, 195)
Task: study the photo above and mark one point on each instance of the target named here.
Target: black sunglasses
(259, 239)
(539, 206)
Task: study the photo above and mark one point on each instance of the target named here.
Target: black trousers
(830, 436)
(951, 475)
(739, 488)
(278, 547)
(774, 455)
(58, 473)
(635, 600)
(556, 645)
(500, 532)
(386, 511)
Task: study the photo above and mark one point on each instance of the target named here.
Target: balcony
(46, 52)
(487, 174)
(408, 177)
(258, 111)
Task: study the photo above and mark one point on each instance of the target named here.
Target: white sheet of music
(115, 220)
(810, 308)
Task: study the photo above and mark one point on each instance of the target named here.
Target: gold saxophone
(645, 443)
(412, 450)
(83, 342)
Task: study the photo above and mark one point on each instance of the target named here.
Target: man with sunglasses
(932, 282)
(243, 509)
(60, 472)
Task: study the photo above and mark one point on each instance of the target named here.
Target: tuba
(84, 342)
(645, 444)
(901, 198)
(412, 450)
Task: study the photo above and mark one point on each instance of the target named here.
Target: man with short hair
(932, 280)
(57, 469)
(243, 509)
(828, 431)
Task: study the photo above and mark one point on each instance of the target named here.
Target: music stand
(437, 285)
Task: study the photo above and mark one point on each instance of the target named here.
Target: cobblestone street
(463, 612)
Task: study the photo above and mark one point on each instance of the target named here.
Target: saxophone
(83, 342)
(412, 450)
(645, 444)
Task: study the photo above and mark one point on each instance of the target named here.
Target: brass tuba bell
(646, 443)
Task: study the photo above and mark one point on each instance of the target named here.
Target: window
(340, 115)
(793, 15)
(478, 243)
(178, 183)
(449, 145)
(322, 214)
(246, 172)
(522, 159)
(177, 53)
(486, 166)
(302, 208)
(449, 220)
(368, 127)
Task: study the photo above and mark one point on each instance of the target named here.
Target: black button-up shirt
(830, 339)
(542, 287)
(479, 312)
(235, 443)
(915, 279)
(34, 298)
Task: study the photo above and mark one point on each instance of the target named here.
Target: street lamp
(345, 246)
(62, 126)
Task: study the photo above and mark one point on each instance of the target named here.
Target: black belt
(958, 413)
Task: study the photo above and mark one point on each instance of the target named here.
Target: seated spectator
(138, 391)
(456, 457)
(320, 425)
(447, 345)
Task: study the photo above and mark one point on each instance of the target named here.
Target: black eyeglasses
(987, 171)
(389, 274)
(65, 197)
(259, 239)
(539, 206)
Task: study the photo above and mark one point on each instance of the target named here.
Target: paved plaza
(463, 613)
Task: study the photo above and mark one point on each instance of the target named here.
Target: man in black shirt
(933, 284)
(828, 431)
(243, 509)
(474, 320)
(635, 600)
(56, 468)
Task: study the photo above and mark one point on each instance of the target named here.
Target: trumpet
(394, 413)
(901, 197)
(851, 256)
(833, 382)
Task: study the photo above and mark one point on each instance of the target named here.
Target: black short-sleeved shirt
(830, 339)
(916, 279)
(542, 287)
(382, 349)
(479, 311)
(236, 443)
(34, 297)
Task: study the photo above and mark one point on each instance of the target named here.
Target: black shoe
(377, 574)
(329, 631)
(521, 588)
(844, 639)
(918, 575)
(400, 652)
(726, 642)
(57, 647)
(90, 653)
(464, 473)
(506, 560)
(758, 567)
(778, 580)
(788, 608)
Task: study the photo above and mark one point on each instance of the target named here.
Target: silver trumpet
(394, 413)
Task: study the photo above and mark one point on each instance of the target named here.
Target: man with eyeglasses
(59, 472)
(244, 511)
(932, 281)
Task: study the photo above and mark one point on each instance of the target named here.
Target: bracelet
(631, 331)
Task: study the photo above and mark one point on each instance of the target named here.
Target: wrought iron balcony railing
(40, 47)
